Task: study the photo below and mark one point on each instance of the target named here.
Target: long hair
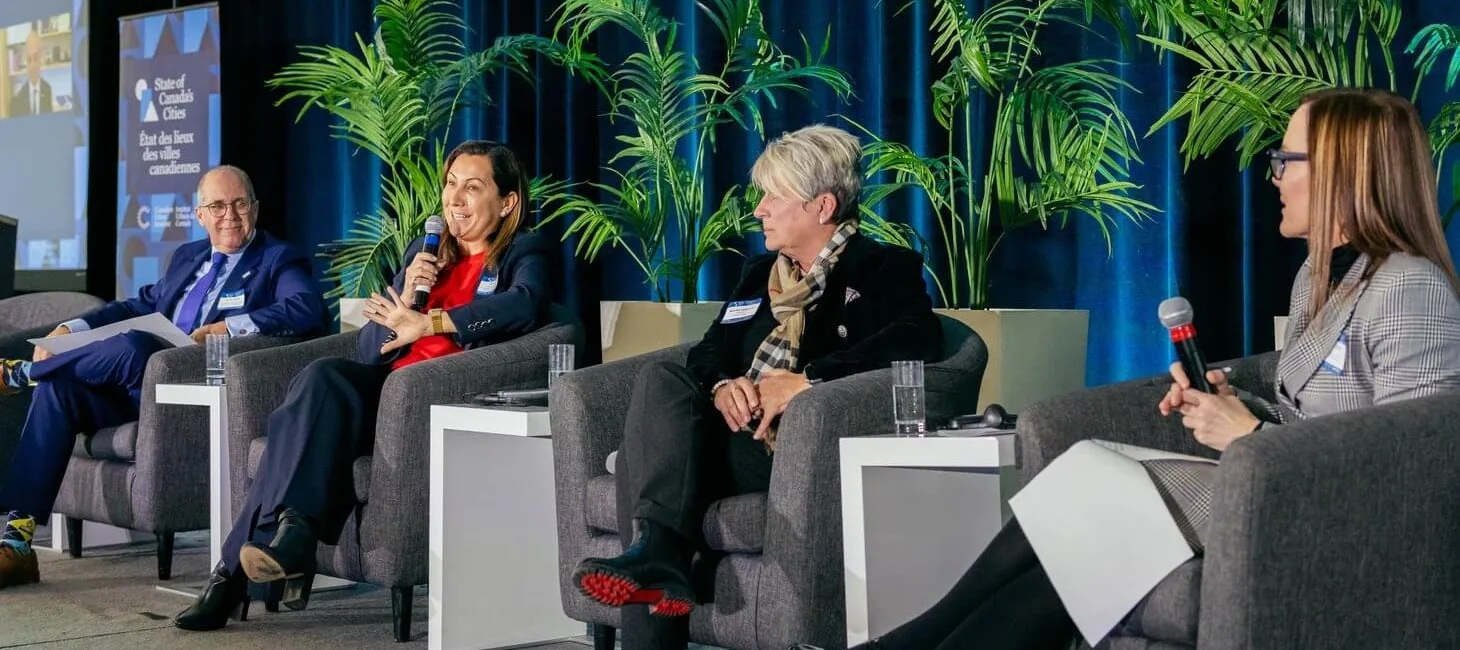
(508, 176)
(1373, 179)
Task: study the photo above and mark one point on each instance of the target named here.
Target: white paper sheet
(1101, 531)
(153, 323)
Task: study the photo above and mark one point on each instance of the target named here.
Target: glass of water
(560, 362)
(908, 397)
(217, 358)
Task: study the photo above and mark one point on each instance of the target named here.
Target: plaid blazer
(1397, 336)
(1400, 331)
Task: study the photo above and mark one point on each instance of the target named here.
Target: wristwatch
(437, 327)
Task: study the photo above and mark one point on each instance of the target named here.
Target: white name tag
(487, 286)
(233, 300)
(740, 310)
(1338, 356)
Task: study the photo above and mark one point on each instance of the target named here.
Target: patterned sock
(19, 529)
(15, 373)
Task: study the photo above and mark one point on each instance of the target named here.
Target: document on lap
(1101, 530)
(153, 323)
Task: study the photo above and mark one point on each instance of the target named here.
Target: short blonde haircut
(805, 163)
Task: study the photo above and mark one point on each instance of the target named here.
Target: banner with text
(169, 136)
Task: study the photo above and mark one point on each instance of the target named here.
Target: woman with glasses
(489, 282)
(1375, 319)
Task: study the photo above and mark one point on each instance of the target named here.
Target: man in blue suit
(239, 282)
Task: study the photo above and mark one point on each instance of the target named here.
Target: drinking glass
(908, 397)
(560, 362)
(216, 358)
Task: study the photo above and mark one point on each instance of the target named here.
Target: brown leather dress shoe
(17, 568)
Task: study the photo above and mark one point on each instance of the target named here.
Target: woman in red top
(489, 283)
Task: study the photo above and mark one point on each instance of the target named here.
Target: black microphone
(434, 227)
(1176, 316)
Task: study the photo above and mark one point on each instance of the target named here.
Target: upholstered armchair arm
(400, 467)
(588, 408)
(172, 440)
(803, 527)
(1338, 531)
(1124, 412)
(257, 382)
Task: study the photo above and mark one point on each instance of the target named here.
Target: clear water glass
(216, 358)
(560, 362)
(908, 398)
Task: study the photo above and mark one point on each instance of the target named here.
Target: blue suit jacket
(517, 305)
(279, 291)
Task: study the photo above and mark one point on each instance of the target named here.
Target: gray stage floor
(108, 600)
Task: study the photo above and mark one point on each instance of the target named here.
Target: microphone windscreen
(1175, 312)
(435, 225)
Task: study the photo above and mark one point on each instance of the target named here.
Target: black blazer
(518, 304)
(875, 310)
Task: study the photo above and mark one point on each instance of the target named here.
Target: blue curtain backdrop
(1215, 240)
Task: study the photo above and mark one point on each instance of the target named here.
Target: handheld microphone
(434, 227)
(1176, 316)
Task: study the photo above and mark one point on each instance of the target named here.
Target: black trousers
(678, 456)
(1003, 601)
(327, 420)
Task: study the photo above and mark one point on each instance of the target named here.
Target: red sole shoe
(617, 591)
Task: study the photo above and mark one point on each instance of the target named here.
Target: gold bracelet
(437, 326)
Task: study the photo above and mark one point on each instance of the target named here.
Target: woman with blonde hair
(1375, 319)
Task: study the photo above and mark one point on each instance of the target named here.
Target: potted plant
(1252, 72)
(653, 202)
(1060, 147)
(396, 98)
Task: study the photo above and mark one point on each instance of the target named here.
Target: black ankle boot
(289, 557)
(653, 571)
(225, 596)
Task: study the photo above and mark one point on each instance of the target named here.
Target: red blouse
(455, 286)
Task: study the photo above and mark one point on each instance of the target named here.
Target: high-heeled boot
(224, 597)
(289, 557)
(653, 571)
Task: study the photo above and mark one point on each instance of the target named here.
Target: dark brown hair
(1373, 178)
(509, 177)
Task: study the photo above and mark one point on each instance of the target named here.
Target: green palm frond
(1252, 75)
(419, 35)
(1432, 43)
(655, 204)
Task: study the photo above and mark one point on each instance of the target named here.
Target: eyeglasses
(218, 208)
(1279, 161)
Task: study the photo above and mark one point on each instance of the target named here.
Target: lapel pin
(841, 330)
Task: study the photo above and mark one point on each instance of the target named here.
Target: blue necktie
(187, 317)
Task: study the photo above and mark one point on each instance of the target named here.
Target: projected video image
(37, 68)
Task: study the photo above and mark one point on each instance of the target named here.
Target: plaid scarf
(791, 292)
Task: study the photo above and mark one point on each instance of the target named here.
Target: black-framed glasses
(217, 209)
(1279, 160)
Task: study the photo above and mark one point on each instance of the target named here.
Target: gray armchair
(385, 542)
(1339, 531)
(23, 318)
(150, 475)
(776, 557)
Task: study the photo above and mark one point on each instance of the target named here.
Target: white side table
(494, 532)
(916, 512)
(220, 505)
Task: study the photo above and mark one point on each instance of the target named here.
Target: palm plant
(396, 99)
(1254, 69)
(1060, 144)
(656, 178)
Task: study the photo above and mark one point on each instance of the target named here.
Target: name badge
(487, 286)
(231, 300)
(1338, 356)
(740, 310)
